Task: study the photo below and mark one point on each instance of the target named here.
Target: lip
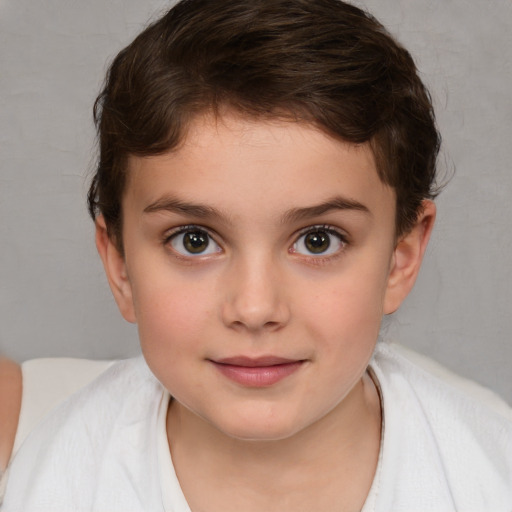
(257, 372)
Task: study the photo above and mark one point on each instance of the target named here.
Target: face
(259, 259)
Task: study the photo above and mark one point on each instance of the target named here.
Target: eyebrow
(336, 203)
(175, 205)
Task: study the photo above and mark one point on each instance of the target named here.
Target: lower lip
(258, 376)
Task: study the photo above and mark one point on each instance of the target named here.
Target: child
(263, 197)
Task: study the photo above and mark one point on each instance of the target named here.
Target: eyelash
(321, 258)
(316, 259)
(181, 230)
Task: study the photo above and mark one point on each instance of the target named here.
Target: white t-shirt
(105, 449)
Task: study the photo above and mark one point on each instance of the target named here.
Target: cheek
(349, 310)
(349, 318)
(172, 326)
(171, 317)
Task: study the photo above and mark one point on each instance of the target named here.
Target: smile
(259, 372)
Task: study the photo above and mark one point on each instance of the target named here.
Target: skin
(256, 189)
(10, 404)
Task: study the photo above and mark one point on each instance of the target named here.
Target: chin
(253, 429)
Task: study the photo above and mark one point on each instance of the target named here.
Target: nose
(255, 298)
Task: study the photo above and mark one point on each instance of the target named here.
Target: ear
(407, 258)
(115, 269)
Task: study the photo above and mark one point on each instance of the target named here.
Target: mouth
(257, 372)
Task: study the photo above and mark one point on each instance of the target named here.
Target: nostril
(267, 325)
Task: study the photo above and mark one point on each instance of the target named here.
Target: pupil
(195, 241)
(317, 242)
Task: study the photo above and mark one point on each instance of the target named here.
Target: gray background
(54, 299)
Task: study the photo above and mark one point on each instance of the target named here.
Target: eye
(319, 241)
(192, 241)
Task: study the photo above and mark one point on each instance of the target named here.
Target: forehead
(242, 165)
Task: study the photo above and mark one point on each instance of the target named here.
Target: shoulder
(443, 434)
(61, 458)
(93, 404)
(428, 375)
(30, 390)
(10, 403)
(47, 382)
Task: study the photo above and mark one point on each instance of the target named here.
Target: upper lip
(255, 362)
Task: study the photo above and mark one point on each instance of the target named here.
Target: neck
(303, 472)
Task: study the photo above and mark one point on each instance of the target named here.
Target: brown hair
(323, 62)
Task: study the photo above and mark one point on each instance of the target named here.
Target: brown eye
(193, 242)
(317, 242)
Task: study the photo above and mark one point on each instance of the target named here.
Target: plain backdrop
(54, 299)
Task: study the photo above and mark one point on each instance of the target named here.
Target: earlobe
(115, 269)
(407, 258)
